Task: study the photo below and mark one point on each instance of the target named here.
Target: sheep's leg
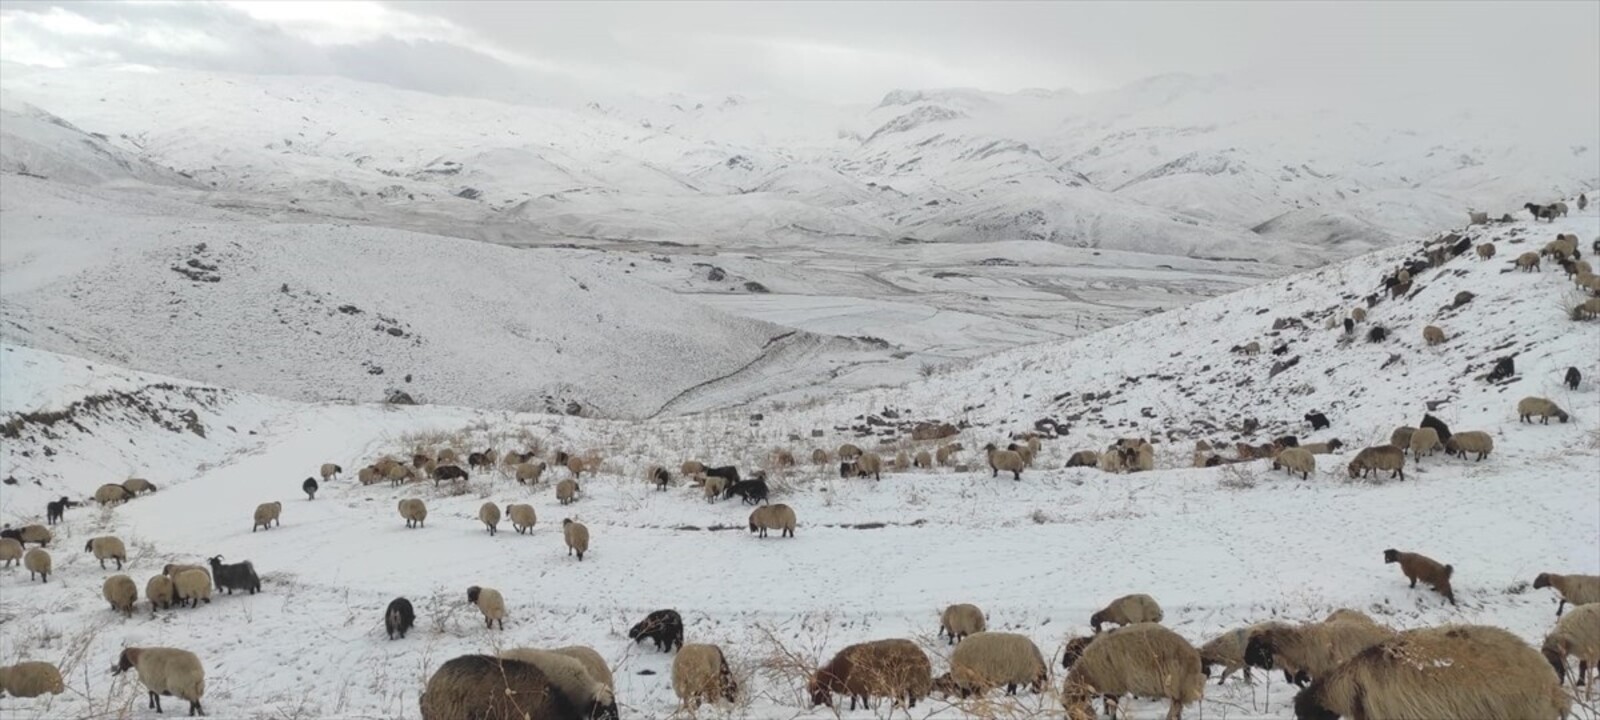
(1561, 607)
(194, 709)
(155, 700)
(1413, 583)
(1175, 711)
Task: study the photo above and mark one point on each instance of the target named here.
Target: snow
(1218, 547)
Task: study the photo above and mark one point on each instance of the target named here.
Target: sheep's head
(1562, 415)
(604, 706)
(1308, 705)
(472, 593)
(818, 692)
(1074, 651)
(1355, 469)
(1555, 652)
(1260, 650)
(1543, 581)
(125, 661)
(945, 685)
(1097, 619)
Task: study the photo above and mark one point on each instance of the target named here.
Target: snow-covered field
(1218, 547)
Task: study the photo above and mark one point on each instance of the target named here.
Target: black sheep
(1377, 334)
(1318, 420)
(448, 472)
(1573, 378)
(753, 492)
(726, 472)
(1281, 349)
(310, 487)
(398, 618)
(561, 458)
(1287, 441)
(661, 478)
(1461, 246)
(1429, 421)
(847, 469)
(1349, 326)
(1541, 212)
(56, 510)
(1503, 368)
(236, 576)
(477, 460)
(664, 627)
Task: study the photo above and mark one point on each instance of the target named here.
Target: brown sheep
(700, 674)
(1528, 262)
(819, 457)
(1146, 660)
(1084, 458)
(1486, 251)
(576, 534)
(1469, 442)
(961, 620)
(1575, 589)
(895, 669)
(1128, 610)
(1423, 442)
(1310, 651)
(1433, 335)
(1401, 437)
(1421, 567)
(483, 686)
(1007, 460)
(1383, 457)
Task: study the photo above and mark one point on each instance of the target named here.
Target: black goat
(398, 618)
(661, 478)
(310, 487)
(1318, 420)
(753, 492)
(56, 510)
(1349, 326)
(726, 472)
(1503, 368)
(235, 576)
(448, 472)
(1377, 334)
(664, 627)
(1573, 378)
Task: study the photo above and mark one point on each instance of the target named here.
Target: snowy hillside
(1218, 547)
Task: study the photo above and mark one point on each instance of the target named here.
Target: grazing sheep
(987, 660)
(1007, 460)
(1528, 262)
(1228, 649)
(869, 464)
(138, 486)
(1084, 458)
(693, 469)
(592, 662)
(160, 592)
(729, 473)
(522, 517)
(267, 515)
(1583, 202)
(895, 669)
(490, 603)
(171, 570)
(1470, 442)
(30, 679)
(1531, 406)
(1383, 457)
(663, 627)
(1576, 589)
(1433, 335)
(960, 620)
(1421, 567)
(923, 459)
(397, 473)
(1144, 660)
(700, 674)
(1144, 458)
(751, 492)
(848, 451)
(368, 475)
(1323, 448)
(28, 534)
(1377, 334)
(946, 453)
(489, 515)
(1564, 246)
(1588, 309)
(166, 671)
(482, 687)
(413, 511)
(1128, 610)
(773, 517)
(529, 472)
(570, 677)
(1576, 634)
(713, 488)
(192, 586)
(10, 551)
(121, 592)
(566, 491)
(659, 476)
(448, 472)
(477, 460)
(398, 618)
(1451, 671)
(576, 465)
(111, 494)
(1423, 442)
(1486, 251)
(1401, 437)
(107, 547)
(819, 457)
(577, 537)
(330, 471)
(1296, 460)
(1310, 651)
(37, 561)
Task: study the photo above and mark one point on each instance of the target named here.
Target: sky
(827, 51)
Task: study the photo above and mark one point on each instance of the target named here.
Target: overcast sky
(839, 52)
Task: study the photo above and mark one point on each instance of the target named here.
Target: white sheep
(107, 547)
(166, 671)
(490, 603)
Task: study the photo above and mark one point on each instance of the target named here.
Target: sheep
(1486, 251)
(1084, 458)
(1432, 335)
(37, 561)
(1250, 348)
(902, 461)
(960, 620)
(1531, 406)
(895, 669)
(1349, 326)
(1559, 208)
(1145, 660)
(566, 491)
(1383, 457)
(663, 627)
(1310, 651)
(489, 515)
(1528, 262)
(693, 469)
(1323, 448)
(1429, 421)
(121, 592)
(398, 618)
(397, 474)
(923, 460)
(30, 679)
(592, 662)
(368, 475)
(267, 515)
(1562, 247)
(751, 492)
(1587, 310)
(1144, 458)
(1112, 460)
(413, 511)
(160, 592)
(1228, 649)
(1296, 460)
(571, 678)
(192, 587)
(138, 486)
(1318, 420)
(986, 660)
(1007, 460)
(713, 488)
(700, 674)
(529, 472)
(1451, 671)
(773, 517)
(848, 451)
(1544, 212)
(522, 517)
(482, 686)
(1128, 610)
(235, 576)
(1576, 634)
(869, 464)
(946, 453)
(111, 494)
(577, 537)
(309, 487)
(782, 458)
(108, 547)
(819, 457)
(726, 472)
(1377, 334)
(171, 570)
(329, 471)
(658, 476)
(1358, 314)
(10, 551)
(576, 465)
(28, 534)
(490, 603)
(1576, 589)
(448, 472)
(1421, 567)
(1401, 437)
(1423, 442)
(1468, 443)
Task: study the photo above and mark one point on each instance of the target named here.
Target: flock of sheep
(1347, 665)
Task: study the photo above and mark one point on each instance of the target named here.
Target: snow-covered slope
(1218, 547)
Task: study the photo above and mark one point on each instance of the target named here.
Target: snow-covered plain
(1219, 547)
